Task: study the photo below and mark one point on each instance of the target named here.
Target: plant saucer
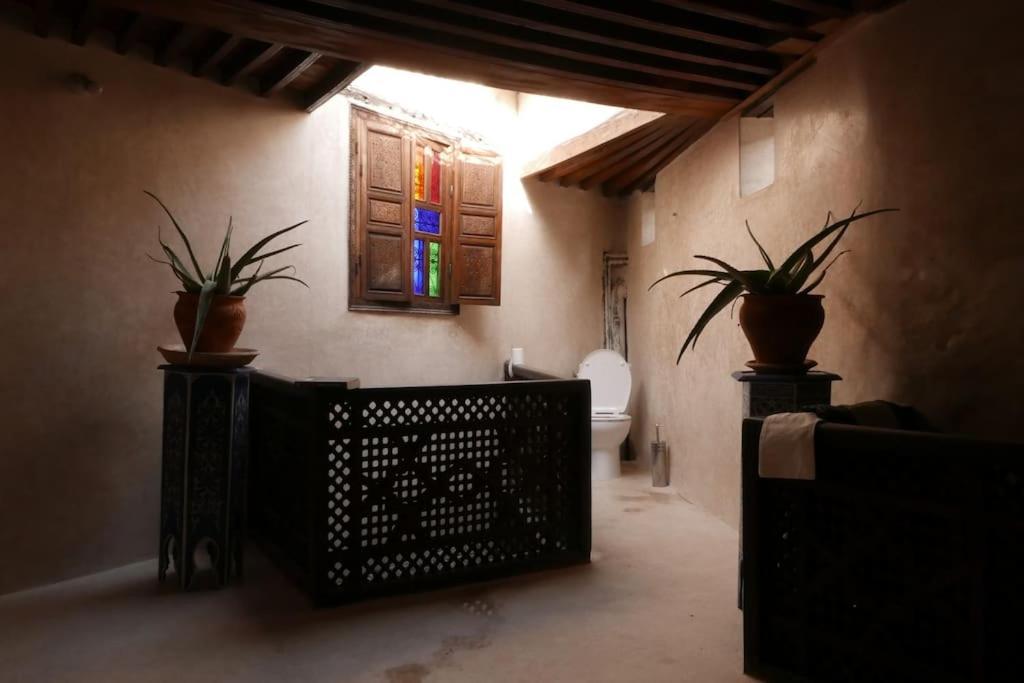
(176, 354)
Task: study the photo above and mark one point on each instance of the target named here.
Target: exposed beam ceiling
(270, 68)
(697, 58)
(694, 60)
(619, 159)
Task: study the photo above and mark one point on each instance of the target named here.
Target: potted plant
(210, 311)
(780, 315)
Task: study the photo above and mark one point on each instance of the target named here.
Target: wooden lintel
(336, 80)
(243, 68)
(616, 126)
(206, 64)
(289, 69)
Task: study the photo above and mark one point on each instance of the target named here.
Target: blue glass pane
(417, 267)
(426, 220)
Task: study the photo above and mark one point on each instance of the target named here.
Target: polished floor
(658, 603)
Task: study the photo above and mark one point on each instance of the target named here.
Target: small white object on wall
(757, 154)
(517, 355)
(646, 219)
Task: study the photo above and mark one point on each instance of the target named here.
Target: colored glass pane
(419, 179)
(435, 269)
(435, 178)
(417, 267)
(427, 220)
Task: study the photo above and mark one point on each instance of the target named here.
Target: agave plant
(227, 277)
(792, 277)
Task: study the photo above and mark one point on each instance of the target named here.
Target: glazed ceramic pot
(782, 327)
(223, 325)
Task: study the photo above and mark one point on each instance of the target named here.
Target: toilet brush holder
(659, 460)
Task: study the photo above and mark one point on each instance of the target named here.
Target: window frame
(363, 227)
(358, 198)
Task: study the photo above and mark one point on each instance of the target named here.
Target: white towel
(786, 448)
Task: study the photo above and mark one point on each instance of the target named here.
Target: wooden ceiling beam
(595, 164)
(638, 176)
(509, 25)
(128, 35)
(613, 128)
(246, 65)
(672, 23)
(620, 163)
(592, 156)
(745, 12)
(277, 21)
(176, 41)
(290, 68)
(614, 34)
(336, 80)
(85, 22)
(42, 17)
(206, 64)
(399, 12)
(818, 8)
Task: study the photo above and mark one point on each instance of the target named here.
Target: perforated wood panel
(385, 156)
(477, 275)
(895, 564)
(380, 205)
(431, 485)
(477, 267)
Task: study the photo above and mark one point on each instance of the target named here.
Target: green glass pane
(434, 281)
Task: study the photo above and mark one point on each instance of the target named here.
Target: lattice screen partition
(902, 560)
(373, 491)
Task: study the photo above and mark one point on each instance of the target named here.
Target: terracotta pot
(223, 325)
(781, 327)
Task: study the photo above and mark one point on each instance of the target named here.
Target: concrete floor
(658, 603)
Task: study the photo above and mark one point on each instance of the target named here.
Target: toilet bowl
(610, 384)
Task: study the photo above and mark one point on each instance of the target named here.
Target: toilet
(610, 384)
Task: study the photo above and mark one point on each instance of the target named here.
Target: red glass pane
(435, 179)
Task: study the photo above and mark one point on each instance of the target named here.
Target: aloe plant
(227, 277)
(792, 277)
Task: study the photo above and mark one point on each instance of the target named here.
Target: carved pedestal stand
(202, 493)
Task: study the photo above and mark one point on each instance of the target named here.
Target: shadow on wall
(934, 289)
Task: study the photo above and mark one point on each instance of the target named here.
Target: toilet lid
(610, 380)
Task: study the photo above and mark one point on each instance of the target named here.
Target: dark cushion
(883, 414)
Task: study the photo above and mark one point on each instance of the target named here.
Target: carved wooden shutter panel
(477, 230)
(383, 211)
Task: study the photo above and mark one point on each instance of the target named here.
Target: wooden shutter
(381, 240)
(477, 236)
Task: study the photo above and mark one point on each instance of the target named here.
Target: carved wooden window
(425, 231)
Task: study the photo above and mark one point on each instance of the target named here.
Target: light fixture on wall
(82, 84)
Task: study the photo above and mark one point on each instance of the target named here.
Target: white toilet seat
(609, 417)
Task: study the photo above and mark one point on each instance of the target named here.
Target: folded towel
(786, 448)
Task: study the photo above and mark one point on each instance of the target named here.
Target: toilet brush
(659, 459)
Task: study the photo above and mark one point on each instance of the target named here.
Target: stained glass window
(417, 267)
(435, 269)
(419, 180)
(427, 220)
(435, 178)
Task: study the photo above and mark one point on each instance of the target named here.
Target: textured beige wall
(917, 108)
(83, 309)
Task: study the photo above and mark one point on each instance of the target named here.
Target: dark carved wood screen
(364, 492)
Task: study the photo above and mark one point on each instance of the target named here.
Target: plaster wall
(912, 109)
(83, 309)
